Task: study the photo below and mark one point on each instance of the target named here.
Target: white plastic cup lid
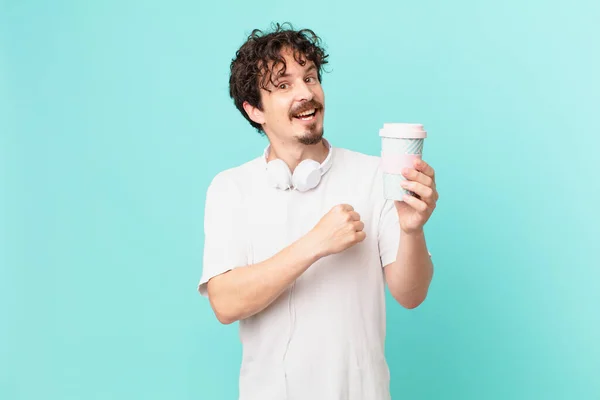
(403, 131)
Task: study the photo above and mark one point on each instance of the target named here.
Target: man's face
(293, 107)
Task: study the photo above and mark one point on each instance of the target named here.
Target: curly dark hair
(250, 70)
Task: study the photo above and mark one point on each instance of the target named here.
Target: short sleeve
(389, 233)
(224, 230)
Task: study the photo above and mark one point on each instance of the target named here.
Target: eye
(283, 86)
(310, 79)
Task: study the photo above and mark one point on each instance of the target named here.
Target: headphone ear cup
(307, 175)
(279, 174)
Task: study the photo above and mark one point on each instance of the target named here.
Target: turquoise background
(114, 117)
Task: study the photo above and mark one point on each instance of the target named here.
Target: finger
(346, 207)
(360, 236)
(354, 216)
(425, 168)
(426, 193)
(415, 203)
(417, 176)
(359, 226)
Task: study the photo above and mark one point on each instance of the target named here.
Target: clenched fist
(338, 230)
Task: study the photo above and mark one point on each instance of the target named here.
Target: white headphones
(306, 176)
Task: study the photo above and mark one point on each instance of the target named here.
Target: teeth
(304, 114)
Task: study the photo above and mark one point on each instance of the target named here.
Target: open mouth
(307, 115)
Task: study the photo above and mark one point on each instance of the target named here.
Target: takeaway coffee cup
(401, 144)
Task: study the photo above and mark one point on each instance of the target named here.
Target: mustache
(307, 105)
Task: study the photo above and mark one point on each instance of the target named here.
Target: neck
(294, 154)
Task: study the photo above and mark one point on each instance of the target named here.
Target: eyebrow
(286, 75)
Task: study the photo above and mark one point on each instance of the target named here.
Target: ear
(254, 113)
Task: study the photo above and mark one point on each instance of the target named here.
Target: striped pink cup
(401, 144)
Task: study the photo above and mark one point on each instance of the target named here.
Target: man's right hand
(338, 230)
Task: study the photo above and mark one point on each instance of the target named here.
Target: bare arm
(247, 290)
(409, 277)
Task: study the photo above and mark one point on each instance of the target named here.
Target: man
(300, 242)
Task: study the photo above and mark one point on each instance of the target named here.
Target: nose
(304, 92)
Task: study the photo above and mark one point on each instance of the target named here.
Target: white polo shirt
(323, 338)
